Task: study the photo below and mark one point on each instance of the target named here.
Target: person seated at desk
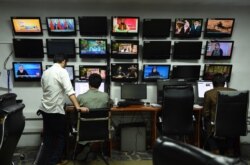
(94, 98)
(215, 144)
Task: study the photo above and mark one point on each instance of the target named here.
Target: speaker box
(133, 137)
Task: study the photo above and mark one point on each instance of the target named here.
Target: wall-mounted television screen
(124, 72)
(124, 49)
(86, 70)
(27, 71)
(211, 69)
(219, 50)
(219, 27)
(93, 25)
(61, 26)
(125, 26)
(156, 49)
(28, 48)
(26, 25)
(156, 28)
(187, 50)
(64, 46)
(82, 86)
(186, 72)
(188, 27)
(93, 48)
(70, 69)
(151, 73)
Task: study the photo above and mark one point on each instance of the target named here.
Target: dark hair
(219, 80)
(58, 58)
(95, 80)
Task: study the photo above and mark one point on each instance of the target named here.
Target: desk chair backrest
(231, 113)
(94, 125)
(177, 110)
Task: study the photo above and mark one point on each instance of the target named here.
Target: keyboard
(127, 103)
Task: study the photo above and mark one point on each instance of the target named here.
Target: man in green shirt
(94, 98)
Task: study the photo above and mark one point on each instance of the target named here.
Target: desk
(142, 108)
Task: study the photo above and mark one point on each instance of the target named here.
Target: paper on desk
(4, 79)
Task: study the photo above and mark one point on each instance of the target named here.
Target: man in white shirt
(55, 84)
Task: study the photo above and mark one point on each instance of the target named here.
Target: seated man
(92, 99)
(215, 144)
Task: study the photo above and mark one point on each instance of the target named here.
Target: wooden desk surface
(135, 108)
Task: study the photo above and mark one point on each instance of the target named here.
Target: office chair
(93, 126)
(12, 123)
(177, 111)
(172, 152)
(231, 115)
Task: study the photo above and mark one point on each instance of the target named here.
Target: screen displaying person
(217, 50)
(196, 28)
(132, 72)
(154, 72)
(121, 26)
(186, 28)
(22, 72)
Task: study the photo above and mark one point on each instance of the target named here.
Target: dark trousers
(54, 137)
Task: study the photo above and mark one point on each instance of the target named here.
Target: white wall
(31, 92)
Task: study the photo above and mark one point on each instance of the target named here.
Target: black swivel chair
(177, 111)
(12, 123)
(93, 126)
(231, 115)
(172, 152)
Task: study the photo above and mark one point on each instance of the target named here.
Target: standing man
(55, 84)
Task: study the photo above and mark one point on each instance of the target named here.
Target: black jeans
(55, 127)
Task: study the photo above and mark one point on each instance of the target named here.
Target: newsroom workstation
(173, 69)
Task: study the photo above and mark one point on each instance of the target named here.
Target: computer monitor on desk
(133, 93)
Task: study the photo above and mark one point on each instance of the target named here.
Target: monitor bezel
(63, 33)
(218, 57)
(27, 33)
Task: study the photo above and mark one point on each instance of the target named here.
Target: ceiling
(239, 3)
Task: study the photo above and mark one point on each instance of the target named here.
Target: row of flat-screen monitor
(126, 72)
(126, 49)
(124, 26)
(130, 91)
